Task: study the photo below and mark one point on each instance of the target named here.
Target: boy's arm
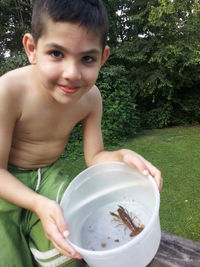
(94, 149)
(12, 190)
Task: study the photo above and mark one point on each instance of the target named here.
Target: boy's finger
(66, 253)
(158, 179)
(61, 223)
(60, 233)
(61, 244)
(155, 173)
(135, 162)
(159, 183)
(145, 167)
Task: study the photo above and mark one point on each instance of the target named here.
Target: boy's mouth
(68, 89)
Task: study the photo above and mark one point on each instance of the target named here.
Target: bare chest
(46, 123)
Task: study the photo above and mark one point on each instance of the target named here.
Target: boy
(40, 105)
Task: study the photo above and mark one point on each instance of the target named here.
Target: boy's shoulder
(93, 98)
(89, 104)
(14, 76)
(14, 82)
(94, 93)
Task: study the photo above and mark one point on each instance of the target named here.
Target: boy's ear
(30, 48)
(106, 54)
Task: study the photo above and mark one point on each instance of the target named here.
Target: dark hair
(89, 13)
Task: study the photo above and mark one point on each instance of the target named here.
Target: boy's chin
(63, 98)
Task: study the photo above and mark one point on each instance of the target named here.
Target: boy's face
(67, 58)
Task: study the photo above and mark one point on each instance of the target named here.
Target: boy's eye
(88, 59)
(56, 54)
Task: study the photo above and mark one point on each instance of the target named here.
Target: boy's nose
(71, 71)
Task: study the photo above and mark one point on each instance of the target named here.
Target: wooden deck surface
(175, 251)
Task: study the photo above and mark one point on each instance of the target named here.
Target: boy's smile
(67, 60)
(68, 90)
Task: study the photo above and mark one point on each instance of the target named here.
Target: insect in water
(124, 217)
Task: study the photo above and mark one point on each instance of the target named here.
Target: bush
(13, 62)
(120, 118)
(156, 117)
(74, 147)
(186, 107)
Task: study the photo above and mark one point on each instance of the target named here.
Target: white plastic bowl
(87, 203)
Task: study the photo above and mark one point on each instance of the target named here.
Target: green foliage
(161, 54)
(120, 118)
(186, 107)
(157, 117)
(74, 144)
(10, 63)
(15, 17)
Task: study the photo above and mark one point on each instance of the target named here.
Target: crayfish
(124, 217)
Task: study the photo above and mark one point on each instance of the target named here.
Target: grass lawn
(176, 152)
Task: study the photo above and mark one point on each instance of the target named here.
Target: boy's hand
(145, 167)
(55, 227)
(132, 159)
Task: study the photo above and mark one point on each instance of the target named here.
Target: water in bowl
(100, 231)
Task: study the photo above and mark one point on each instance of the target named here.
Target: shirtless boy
(40, 105)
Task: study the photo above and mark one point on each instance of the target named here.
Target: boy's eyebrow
(59, 47)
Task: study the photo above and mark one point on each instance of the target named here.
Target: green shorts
(23, 241)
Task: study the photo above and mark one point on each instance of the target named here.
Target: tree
(15, 17)
(160, 48)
